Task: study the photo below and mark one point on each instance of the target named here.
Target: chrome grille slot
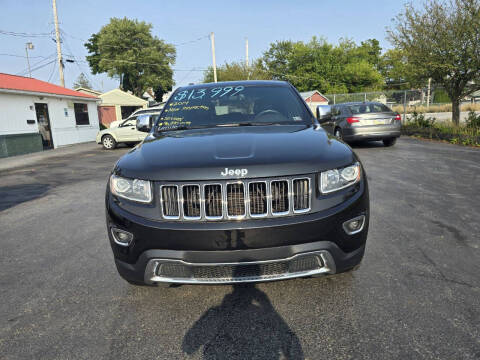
(235, 200)
(213, 201)
(280, 201)
(301, 195)
(257, 192)
(191, 201)
(169, 202)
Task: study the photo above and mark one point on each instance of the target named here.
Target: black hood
(264, 151)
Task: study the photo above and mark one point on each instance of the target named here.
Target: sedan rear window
(368, 108)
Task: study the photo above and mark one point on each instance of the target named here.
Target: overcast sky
(177, 22)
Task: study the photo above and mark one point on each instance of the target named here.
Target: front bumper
(226, 267)
(246, 251)
(374, 132)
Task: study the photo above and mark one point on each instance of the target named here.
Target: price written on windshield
(197, 94)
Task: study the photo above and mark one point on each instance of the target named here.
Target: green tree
(347, 67)
(276, 58)
(82, 82)
(238, 71)
(442, 41)
(127, 50)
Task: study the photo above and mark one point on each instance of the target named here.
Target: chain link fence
(434, 102)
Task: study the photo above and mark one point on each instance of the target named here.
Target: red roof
(14, 82)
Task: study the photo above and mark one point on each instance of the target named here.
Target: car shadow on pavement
(16, 194)
(366, 144)
(244, 326)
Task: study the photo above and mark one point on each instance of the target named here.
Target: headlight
(336, 179)
(131, 189)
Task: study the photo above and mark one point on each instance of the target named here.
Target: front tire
(389, 142)
(109, 142)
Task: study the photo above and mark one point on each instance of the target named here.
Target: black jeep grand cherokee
(236, 182)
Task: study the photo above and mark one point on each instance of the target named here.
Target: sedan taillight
(353, 119)
(398, 117)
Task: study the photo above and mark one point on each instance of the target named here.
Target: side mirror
(324, 113)
(143, 123)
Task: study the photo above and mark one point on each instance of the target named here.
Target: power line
(129, 47)
(35, 65)
(192, 41)
(22, 34)
(77, 62)
(53, 71)
(45, 58)
(149, 64)
(22, 56)
(36, 68)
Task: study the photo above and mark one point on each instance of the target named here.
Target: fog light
(355, 225)
(121, 237)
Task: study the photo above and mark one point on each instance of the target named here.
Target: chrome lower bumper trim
(181, 272)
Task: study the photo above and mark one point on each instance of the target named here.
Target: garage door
(106, 114)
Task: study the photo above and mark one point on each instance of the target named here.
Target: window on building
(81, 114)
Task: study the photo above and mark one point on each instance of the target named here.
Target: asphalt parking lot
(416, 294)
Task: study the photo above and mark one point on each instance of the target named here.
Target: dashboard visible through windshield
(240, 105)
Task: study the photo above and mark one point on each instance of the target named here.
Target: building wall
(119, 98)
(18, 144)
(64, 128)
(16, 109)
(318, 98)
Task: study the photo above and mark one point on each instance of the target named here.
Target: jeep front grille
(230, 200)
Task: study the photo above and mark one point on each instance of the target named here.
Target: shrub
(420, 127)
(420, 121)
(473, 120)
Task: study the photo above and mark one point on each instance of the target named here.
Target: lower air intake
(297, 266)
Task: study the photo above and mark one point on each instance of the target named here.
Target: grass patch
(468, 134)
(434, 108)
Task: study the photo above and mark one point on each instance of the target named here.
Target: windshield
(233, 106)
(368, 108)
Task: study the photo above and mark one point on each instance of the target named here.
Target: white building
(37, 115)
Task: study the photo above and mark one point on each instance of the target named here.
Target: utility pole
(59, 49)
(428, 92)
(246, 58)
(28, 46)
(212, 39)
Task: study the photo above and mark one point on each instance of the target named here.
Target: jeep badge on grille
(232, 172)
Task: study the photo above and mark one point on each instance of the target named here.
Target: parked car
(154, 110)
(126, 132)
(236, 182)
(361, 121)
